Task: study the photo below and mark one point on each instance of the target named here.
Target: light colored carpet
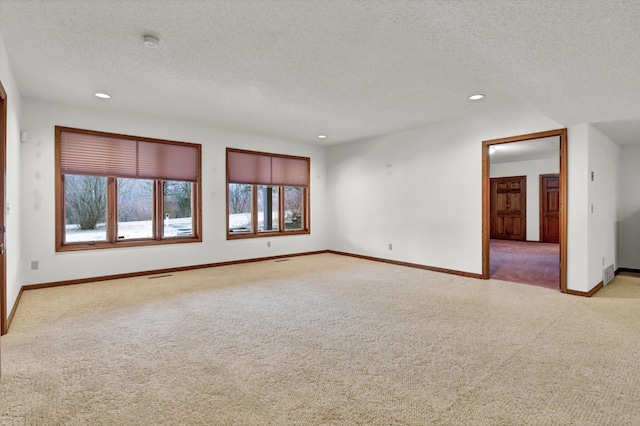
(321, 339)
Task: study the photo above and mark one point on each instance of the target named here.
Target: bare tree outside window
(293, 207)
(135, 208)
(240, 207)
(177, 199)
(85, 201)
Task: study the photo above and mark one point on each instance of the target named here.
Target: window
(267, 194)
(116, 190)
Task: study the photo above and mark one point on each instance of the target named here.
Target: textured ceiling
(349, 69)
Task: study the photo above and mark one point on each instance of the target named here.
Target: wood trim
(269, 154)
(564, 176)
(564, 209)
(60, 216)
(486, 211)
(15, 308)
(4, 321)
(586, 294)
(264, 234)
(527, 137)
(165, 271)
(60, 129)
(407, 264)
(158, 208)
(112, 211)
(628, 270)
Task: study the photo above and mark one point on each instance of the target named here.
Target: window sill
(245, 235)
(130, 243)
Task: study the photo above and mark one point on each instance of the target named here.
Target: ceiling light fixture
(492, 150)
(102, 95)
(476, 97)
(322, 136)
(150, 41)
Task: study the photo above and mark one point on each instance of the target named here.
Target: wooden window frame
(281, 231)
(112, 209)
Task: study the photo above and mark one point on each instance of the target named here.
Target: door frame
(542, 176)
(486, 188)
(3, 171)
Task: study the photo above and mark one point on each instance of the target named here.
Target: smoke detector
(150, 41)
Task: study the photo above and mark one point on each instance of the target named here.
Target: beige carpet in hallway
(317, 340)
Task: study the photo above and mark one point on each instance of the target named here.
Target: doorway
(3, 199)
(561, 200)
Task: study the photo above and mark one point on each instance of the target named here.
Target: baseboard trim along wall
(588, 293)
(628, 270)
(163, 271)
(15, 308)
(410, 265)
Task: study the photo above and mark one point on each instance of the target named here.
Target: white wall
(578, 194)
(420, 190)
(532, 169)
(38, 197)
(592, 234)
(13, 190)
(629, 212)
(604, 162)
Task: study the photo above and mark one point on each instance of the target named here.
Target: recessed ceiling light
(102, 95)
(322, 136)
(492, 149)
(150, 41)
(476, 97)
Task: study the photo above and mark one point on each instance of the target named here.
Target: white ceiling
(349, 69)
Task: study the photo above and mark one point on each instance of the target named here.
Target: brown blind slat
(266, 169)
(83, 154)
(249, 168)
(95, 155)
(167, 161)
(289, 171)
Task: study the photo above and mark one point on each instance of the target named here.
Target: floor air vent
(607, 274)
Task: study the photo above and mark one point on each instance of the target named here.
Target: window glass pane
(240, 207)
(268, 208)
(135, 208)
(85, 208)
(293, 207)
(177, 212)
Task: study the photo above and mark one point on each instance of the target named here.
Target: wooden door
(509, 208)
(550, 208)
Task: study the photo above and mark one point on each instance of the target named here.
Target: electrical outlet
(34, 265)
(390, 246)
(268, 243)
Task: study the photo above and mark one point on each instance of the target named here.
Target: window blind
(101, 155)
(267, 169)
